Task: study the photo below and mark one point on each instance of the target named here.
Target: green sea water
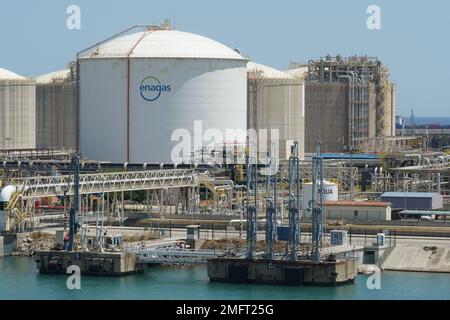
(19, 279)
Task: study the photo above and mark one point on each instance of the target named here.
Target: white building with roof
(358, 211)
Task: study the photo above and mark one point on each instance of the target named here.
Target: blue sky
(413, 41)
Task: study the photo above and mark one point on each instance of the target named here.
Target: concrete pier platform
(90, 263)
(418, 259)
(298, 273)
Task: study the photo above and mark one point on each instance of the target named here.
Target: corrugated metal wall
(278, 104)
(56, 116)
(326, 116)
(17, 114)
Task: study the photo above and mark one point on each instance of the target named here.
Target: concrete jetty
(418, 258)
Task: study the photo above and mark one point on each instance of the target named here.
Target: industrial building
(358, 211)
(137, 88)
(276, 101)
(56, 111)
(414, 200)
(17, 111)
(346, 100)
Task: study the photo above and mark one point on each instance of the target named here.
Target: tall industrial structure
(346, 100)
(276, 100)
(57, 110)
(17, 111)
(138, 88)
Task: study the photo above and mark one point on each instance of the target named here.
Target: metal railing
(172, 255)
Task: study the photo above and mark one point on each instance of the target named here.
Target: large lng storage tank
(276, 100)
(17, 111)
(138, 88)
(56, 111)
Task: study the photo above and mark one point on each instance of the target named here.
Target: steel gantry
(316, 207)
(271, 205)
(53, 186)
(28, 189)
(252, 206)
(74, 210)
(294, 204)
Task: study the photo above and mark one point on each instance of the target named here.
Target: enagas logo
(151, 89)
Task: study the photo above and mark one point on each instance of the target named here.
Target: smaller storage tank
(17, 111)
(276, 101)
(56, 111)
(330, 192)
(5, 195)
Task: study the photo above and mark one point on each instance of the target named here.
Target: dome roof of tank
(299, 73)
(7, 192)
(56, 76)
(161, 44)
(262, 71)
(9, 75)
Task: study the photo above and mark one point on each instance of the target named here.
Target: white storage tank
(276, 100)
(330, 192)
(5, 195)
(17, 111)
(56, 111)
(137, 89)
